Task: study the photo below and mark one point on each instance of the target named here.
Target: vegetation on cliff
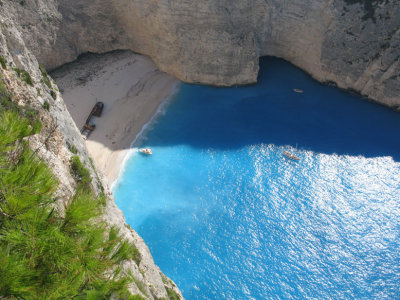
(46, 254)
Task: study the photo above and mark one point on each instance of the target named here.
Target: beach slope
(131, 88)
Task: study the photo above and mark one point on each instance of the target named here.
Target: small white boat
(290, 155)
(146, 151)
(298, 91)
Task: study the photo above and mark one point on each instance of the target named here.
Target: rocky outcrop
(59, 139)
(352, 43)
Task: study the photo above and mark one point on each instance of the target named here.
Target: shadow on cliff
(322, 119)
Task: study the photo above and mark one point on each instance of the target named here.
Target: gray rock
(353, 43)
(54, 143)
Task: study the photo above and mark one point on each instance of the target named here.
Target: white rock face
(54, 143)
(352, 43)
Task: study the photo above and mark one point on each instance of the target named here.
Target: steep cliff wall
(59, 139)
(353, 43)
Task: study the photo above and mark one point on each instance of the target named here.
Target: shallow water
(227, 216)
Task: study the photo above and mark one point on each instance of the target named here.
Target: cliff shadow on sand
(322, 119)
(131, 88)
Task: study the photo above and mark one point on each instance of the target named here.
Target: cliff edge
(59, 140)
(354, 44)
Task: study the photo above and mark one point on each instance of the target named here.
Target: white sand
(132, 89)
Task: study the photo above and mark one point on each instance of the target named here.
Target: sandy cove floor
(132, 89)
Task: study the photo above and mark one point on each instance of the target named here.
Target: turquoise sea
(227, 216)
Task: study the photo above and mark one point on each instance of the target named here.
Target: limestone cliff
(59, 139)
(352, 43)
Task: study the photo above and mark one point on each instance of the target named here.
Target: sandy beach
(131, 88)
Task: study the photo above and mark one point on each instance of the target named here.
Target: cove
(227, 216)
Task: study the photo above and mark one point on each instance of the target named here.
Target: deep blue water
(227, 216)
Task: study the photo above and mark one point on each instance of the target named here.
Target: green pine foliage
(3, 62)
(45, 78)
(24, 75)
(46, 105)
(73, 149)
(79, 172)
(172, 294)
(43, 254)
(43, 70)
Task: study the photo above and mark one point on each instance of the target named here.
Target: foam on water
(141, 136)
(227, 216)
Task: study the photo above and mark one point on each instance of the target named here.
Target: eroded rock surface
(59, 138)
(352, 43)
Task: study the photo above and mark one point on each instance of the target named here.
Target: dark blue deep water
(227, 216)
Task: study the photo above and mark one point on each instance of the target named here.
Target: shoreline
(133, 91)
(143, 130)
